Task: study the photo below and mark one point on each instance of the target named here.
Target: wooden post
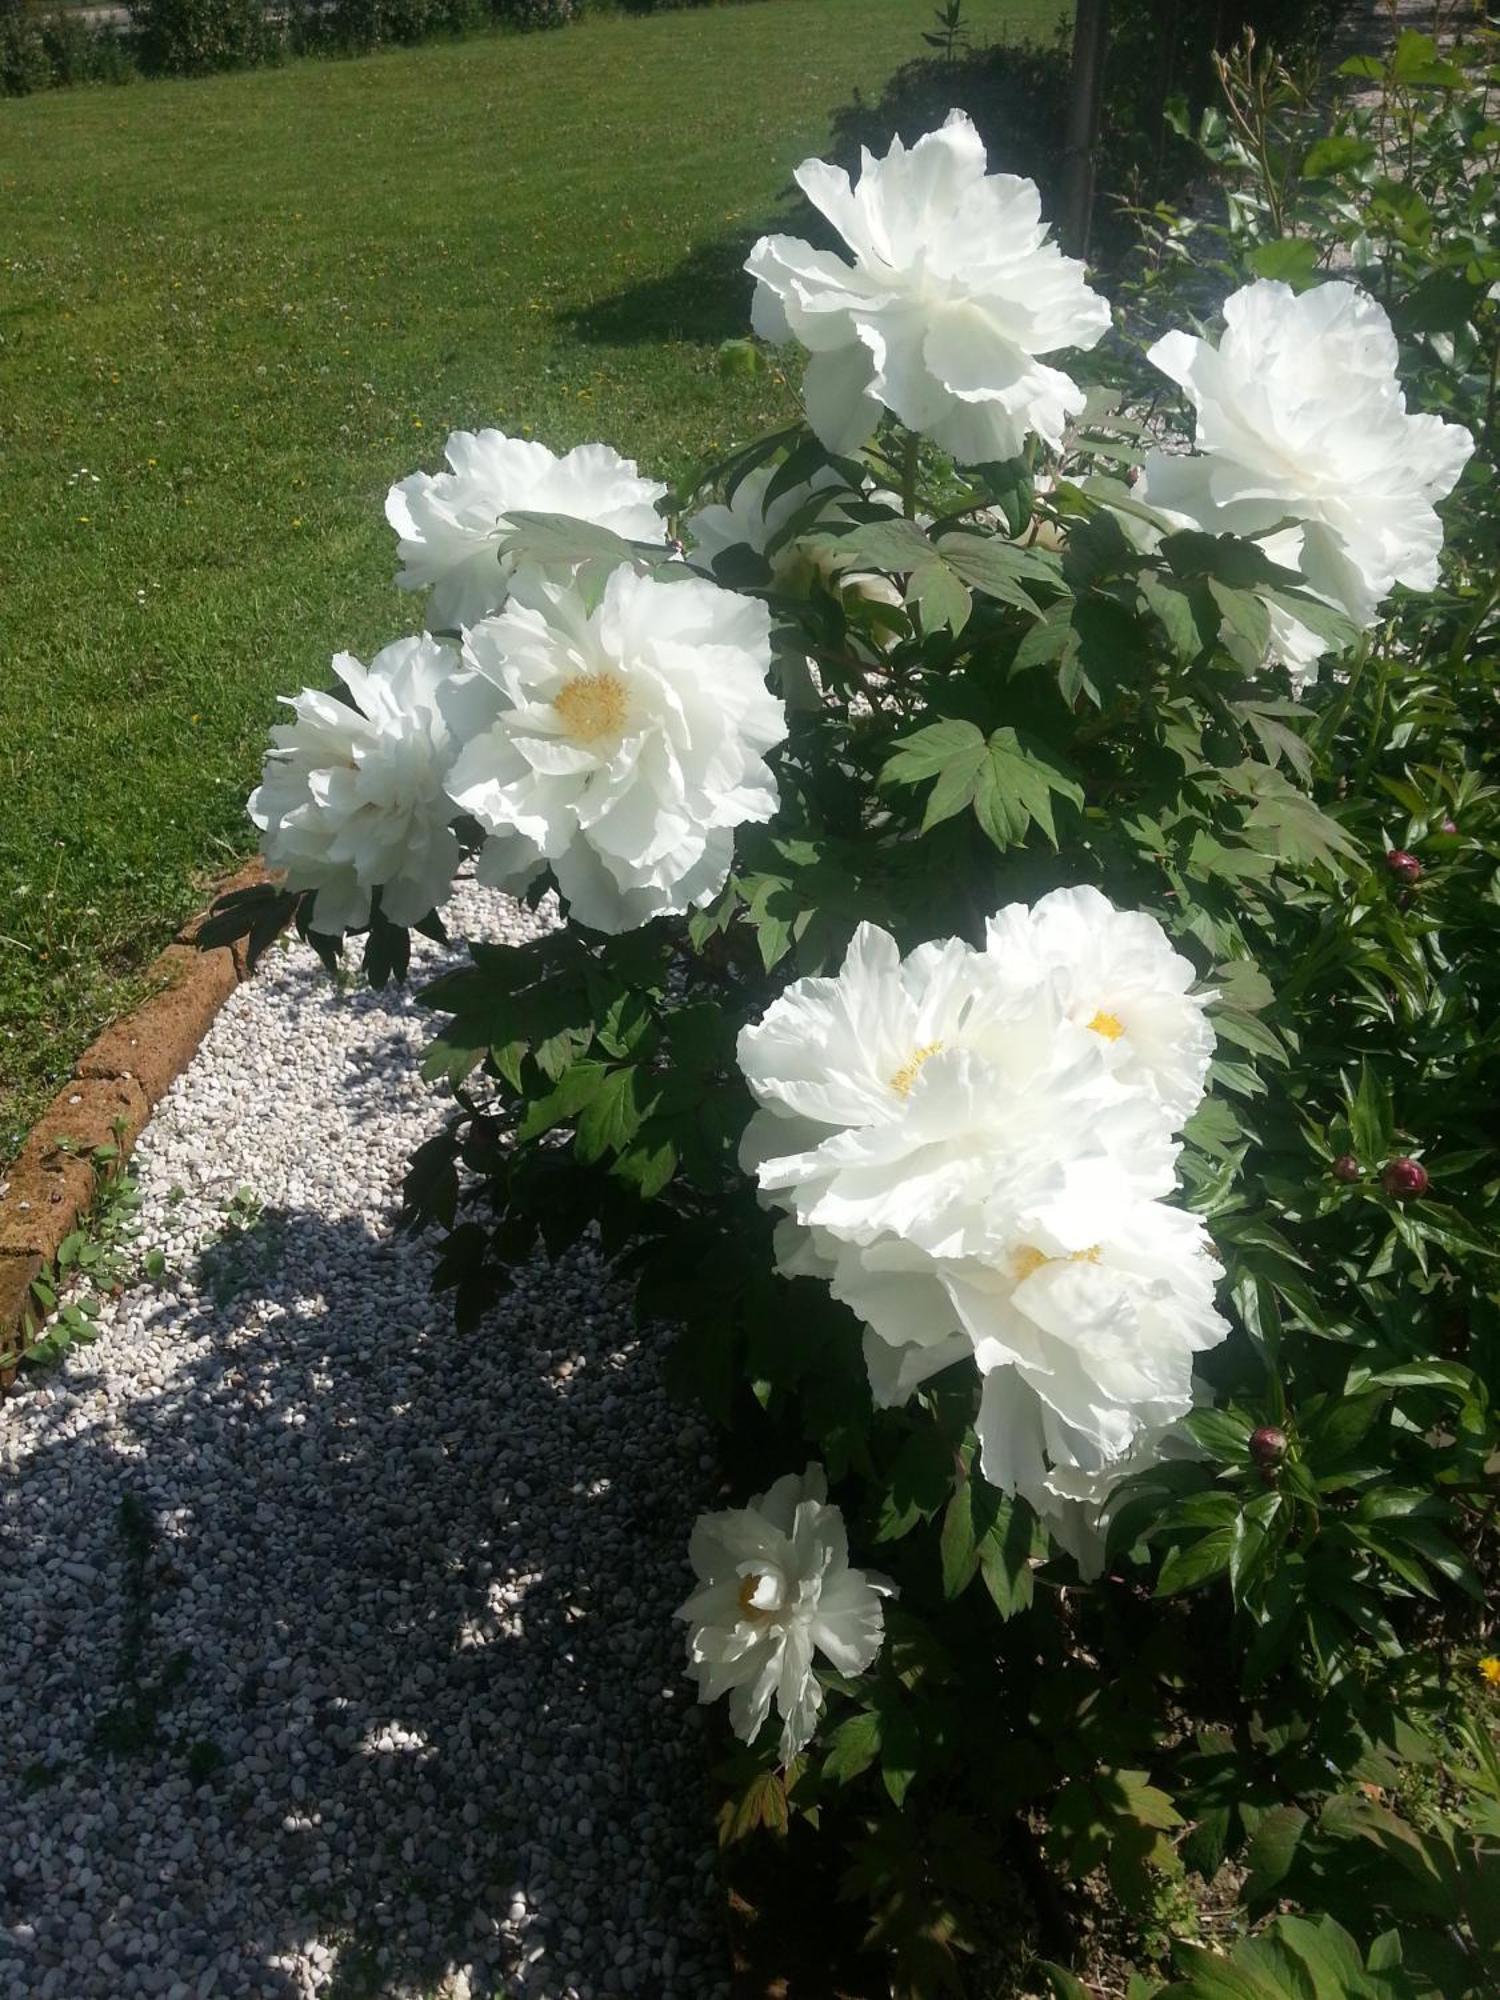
(1085, 94)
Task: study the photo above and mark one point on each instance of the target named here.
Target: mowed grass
(234, 310)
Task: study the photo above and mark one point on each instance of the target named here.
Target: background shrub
(529, 14)
(1160, 56)
(194, 37)
(24, 65)
(660, 6)
(80, 52)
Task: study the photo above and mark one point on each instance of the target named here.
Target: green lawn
(234, 310)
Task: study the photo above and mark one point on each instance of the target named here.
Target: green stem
(1331, 720)
(910, 450)
(1460, 646)
(1377, 718)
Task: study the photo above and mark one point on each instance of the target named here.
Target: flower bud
(1268, 1445)
(1346, 1168)
(1405, 1179)
(1405, 866)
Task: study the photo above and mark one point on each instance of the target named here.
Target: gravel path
(337, 1651)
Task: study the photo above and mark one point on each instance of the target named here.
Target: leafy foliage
(1001, 682)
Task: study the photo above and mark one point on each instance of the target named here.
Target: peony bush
(1024, 1012)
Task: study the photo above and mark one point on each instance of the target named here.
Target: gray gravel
(337, 1650)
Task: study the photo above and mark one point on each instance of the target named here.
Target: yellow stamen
(1489, 1669)
(1108, 1025)
(1028, 1259)
(748, 1587)
(909, 1071)
(592, 705)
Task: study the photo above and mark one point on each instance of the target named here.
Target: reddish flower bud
(1346, 1168)
(1405, 1179)
(1404, 865)
(1268, 1445)
(1449, 826)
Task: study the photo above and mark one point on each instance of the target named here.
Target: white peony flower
(973, 1150)
(628, 743)
(351, 799)
(1097, 1306)
(1302, 427)
(1067, 1482)
(1085, 1348)
(746, 522)
(450, 523)
(1117, 974)
(774, 1587)
(953, 293)
(931, 1100)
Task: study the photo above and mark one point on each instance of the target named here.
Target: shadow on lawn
(704, 299)
(295, 1562)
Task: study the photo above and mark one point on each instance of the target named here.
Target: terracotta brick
(40, 1201)
(46, 1190)
(251, 877)
(86, 1112)
(16, 1274)
(156, 1043)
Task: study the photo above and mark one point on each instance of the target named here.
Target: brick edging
(116, 1084)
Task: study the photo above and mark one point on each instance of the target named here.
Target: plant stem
(910, 449)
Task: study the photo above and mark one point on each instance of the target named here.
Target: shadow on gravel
(352, 1650)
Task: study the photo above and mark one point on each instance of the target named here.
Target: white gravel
(378, 1618)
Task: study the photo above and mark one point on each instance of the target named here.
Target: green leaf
(853, 1748)
(1337, 153)
(929, 753)
(1285, 822)
(939, 596)
(1211, 1977)
(1329, 1955)
(900, 1749)
(1372, 1120)
(558, 540)
(1222, 1435)
(1174, 612)
(1189, 1565)
(1272, 1850)
(647, 1164)
(1416, 61)
(1143, 1801)
(957, 784)
(612, 1116)
(1009, 782)
(577, 1087)
(763, 1803)
(1293, 259)
(1427, 1375)
(921, 1479)
(1249, 1033)
(1246, 628)
(1064, 1985)
(1005, 1557)
(1336, 628)
(972, 1513)
(999, 568)
(1444, 302)
(1053, 637)
(1230, 558)
(1015, 786)
(740, 359)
